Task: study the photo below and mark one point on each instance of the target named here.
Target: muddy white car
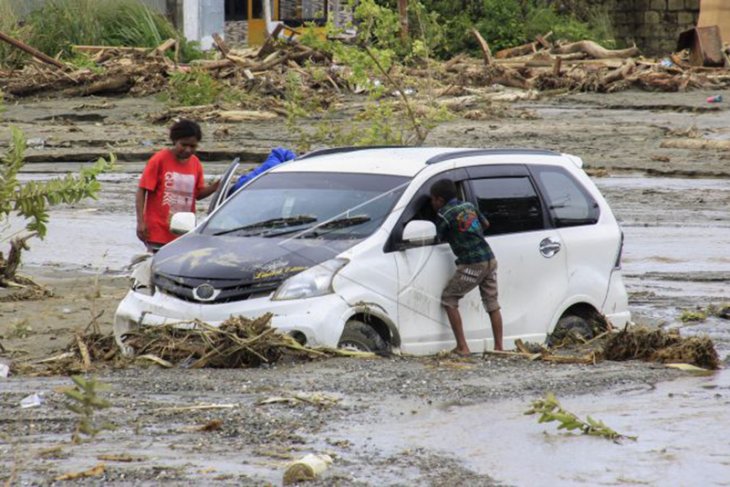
(341, 247)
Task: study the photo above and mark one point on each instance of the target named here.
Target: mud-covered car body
(345, 236)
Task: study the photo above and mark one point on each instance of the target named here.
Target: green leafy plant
(83, 61)
(507, 23)
(57, 25)
(83, 400)
(692, 315)
(390, 115)
(196, 87)
(550, 410)
(31, 201)
(21, 329)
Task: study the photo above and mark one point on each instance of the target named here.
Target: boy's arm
(208, 190)
(442, 227)
(483, 219)
(139, 202)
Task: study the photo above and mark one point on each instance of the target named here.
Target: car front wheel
(574, 326)
(361, 337)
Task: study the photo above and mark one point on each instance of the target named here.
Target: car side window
(511, 204)
(569, 204)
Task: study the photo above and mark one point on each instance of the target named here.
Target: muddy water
(681, 429)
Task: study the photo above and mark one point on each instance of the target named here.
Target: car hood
(247, 259)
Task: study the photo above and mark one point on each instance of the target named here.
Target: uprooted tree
(31, 201)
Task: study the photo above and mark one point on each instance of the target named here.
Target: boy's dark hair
(185, 128)
(444, 188)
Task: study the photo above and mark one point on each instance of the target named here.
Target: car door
(592, 248)
(226, 182)
(532, 274)
(423, 272)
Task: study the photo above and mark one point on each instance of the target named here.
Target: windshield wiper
(314, 231)
(272, 223)
(344, 222)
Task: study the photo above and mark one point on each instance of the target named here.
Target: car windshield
(309, 205)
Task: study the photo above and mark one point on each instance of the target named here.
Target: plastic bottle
(714, 99)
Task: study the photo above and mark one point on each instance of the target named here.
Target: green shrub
(193, 88)
(508, 23)
(10, 57)
(59, 24)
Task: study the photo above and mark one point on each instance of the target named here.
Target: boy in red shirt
(171, 183)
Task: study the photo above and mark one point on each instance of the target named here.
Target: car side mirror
(419, 232)
(182, 223)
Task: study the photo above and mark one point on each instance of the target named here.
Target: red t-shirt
(171, 187)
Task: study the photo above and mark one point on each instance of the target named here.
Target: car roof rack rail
(449, 156)
(338, 150)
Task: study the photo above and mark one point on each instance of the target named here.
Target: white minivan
(340, 246)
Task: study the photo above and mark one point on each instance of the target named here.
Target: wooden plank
(221, 44)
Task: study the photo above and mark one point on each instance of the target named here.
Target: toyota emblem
(205, 292)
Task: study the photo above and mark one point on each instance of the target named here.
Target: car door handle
(549, 247)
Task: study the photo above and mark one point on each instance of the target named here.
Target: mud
(397, 421)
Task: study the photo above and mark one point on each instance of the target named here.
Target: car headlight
(316, 281)
(142, 277)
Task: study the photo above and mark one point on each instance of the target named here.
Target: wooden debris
(120, 457)
(92, 472)
(529, 48)
(265, 74)
(696, 144)
(595, 50)
(221, 45)
(32, 51)
(163, 48)
(486, 52)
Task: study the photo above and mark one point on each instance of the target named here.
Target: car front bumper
(321, 319)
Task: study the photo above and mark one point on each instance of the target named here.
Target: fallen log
(235, 116)
(32, 51)
(620, 73)
(696, 144)
(595, 50)
(208, 64)
(529, 48)
(117, 84)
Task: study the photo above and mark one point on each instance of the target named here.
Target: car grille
(230, 290)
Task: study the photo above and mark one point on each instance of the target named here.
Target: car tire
(361, 337)
(571, 325)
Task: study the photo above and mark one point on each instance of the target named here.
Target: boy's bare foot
(462, 352)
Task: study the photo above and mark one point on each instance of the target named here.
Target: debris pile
(582, 66)
(630, 343)
(237, 343)
(139, 71)
(264, 72)
(655, 345)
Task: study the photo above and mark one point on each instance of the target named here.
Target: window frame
(395, 239)
(502, 171)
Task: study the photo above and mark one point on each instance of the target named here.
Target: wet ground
(399, 421)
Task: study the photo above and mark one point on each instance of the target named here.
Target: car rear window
(569, 203)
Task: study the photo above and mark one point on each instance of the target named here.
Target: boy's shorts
(466, 278)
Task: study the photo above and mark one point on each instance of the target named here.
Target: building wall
(654, 25)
